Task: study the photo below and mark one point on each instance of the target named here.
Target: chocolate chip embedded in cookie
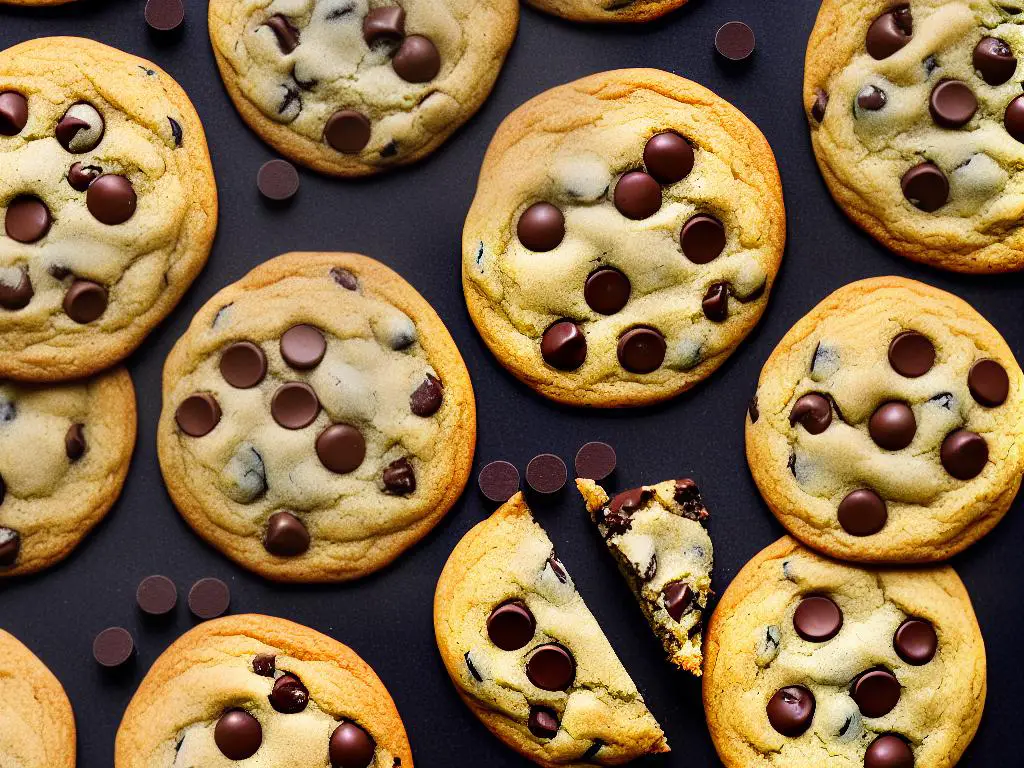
(608, 11)
(318, 418)
(263, 690)
(917, 123)
(656, 534)
(814, 662)
(624, 238)
(526, 654)
(890, 425)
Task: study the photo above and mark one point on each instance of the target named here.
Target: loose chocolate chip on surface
(1013, 118)
(871, 98)
(286, 535)
(13, 113)
(74, 442)
(243, 365)
(994, 60)
(347, 131)
(911, 354)
(541, 228)
(926, 187)
(498, 481)
(916, 642)
(264, 664)
(551, 668)
(285, 32)
(289, 696)
(543, 722)
(791, 710)
(417, 60)
(641, 350)
(384, 24)
(427, 397)
(637, 195)
(813, 411)
(678, 599)
(595, 461)
(209, 598)
(341, 448)
(351, 747)
(889, 751)
(156, 595)
(820, 105)
(890, 32)
(964, 454)
(989, 383)
(702, 239)
(511, 625)
(862, 512)
(668, 157)
(81, 176)
(165, 15)
(735, 41)
(952, 104)
(399, 477)
(817, 619)
(563, 346)
(18, 296)
(80, 129)
(111, 199)
(198, 414)
(345, 278)
(546, 474)
(277, 180)
(10, 540)
(238, 734)
(27, 219)
(607, 291)
(716, 302)
(303, 347)
(893, 426)
(876, 692)
(113, 647)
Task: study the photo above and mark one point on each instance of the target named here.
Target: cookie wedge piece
(656, 534)
(528, 657)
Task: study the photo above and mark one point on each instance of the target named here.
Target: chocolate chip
(285, 32)
(668, 157)
(607, 291)
(988, 382)
(862, 512)
(641, 350)
(994, 60)
(876, 692)
(791, 710)
(303, 347)
(716, 302)
(498, 481)
(551, 668)
(351, 747)
(176, 133)
(13, 113)
(80, 129)
(417, 60)
(735, 41)
(341, 448)
(81, 176)
(74, 442)
(629, 501)
(541, 228)
(592, 750)
(678, 598)
(399, 478)
(543, 722)
(889, 751)
(546, 474)
(426, 398)
(198, 414)
(111, 199)
(753, 410)
(819, 105)
(277, 180)
(243, 365)
(17, 296)
(557, 568)
(286, 535)
(156, 595)
(926, 187)
(952, 104)
(964, 454)
(10, 544)
(345, 278)
(871, 98)
(813, 411)
(563, 346)
(911, 354)
(687, 495)
(702, 239)
(113, 647)
(209, 598)
(595, 461)
(916, 642)
(386, 24)
(892, 426)
(817, 619)
(890, 32)
(511, 625)
(238, 734)
(347, 131)
(637, 195)
(1013, 119)
(165, 15)
(27, 220)
(288, 696)
(264, 664)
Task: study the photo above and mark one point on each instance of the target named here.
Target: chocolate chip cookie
(888, 424)
(38, 724)
(265, 691)
(64, 455)
(608, 10)
(657, 537)
(354, 87)
(318, 419)
(812, 662)
(624, 238)
(528, 657)
(108, 200)
(917, 121)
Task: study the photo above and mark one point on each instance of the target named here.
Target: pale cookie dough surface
(599, 717)
(136, 269)
(608, 10)
(288, 88)
(865, 145)
(754, 650)
(657, 537)
(233, 663)
(907, 504)
(382, 344)
(569, 148)
(64, 456)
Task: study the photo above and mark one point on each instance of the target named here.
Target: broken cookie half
(657, 535)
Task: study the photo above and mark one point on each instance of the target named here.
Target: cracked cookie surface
(265, 691)
(64, 456)
(526, 654)
(917, 122)
(657, 537)
(354, 87)
(813, 663)
(318, 419)
(624, 238)
(108, 200)
(39, 726)
(608, 10)
(888, 424)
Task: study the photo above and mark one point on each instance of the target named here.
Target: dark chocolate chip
(702, 238)
(563, 346)
(27, 219)
(285, 32)
(813, 411)
(637, 195)
(641, 350)
(18, 296)
(668, 157)
(165, 15)
(277, 180)
(303, 347)
(399, 478)
(288, 696)
(209, 598)
(911, 354)
(81, 176)
(892, 426)
(347, 131)
(85, 301)
(286, 535)
(862, 512)
(819, 105)
(243, 365)
(1013, 119)
(541, 228)
(113, 647)
(80, 129)
(791, 710)
(687, 495)
(890, 32)
(607, 291)
(543, 722)
(427, 397)
(678, 599)
(238, 734)
(264, 664)
(176, 132)
(592, 750)
(10, 542)
(925, 186)
(351, 747)
(871, 98)
(817, 619)
(595, 461)
(156, 595)
(994, 60)
(889, 751)
(13, 113)
(876, 692)
(753, 410)
(111, 199)
(387, 24)
(341, 448)
(735, 41)
(546, 474)
(198, 414)
(716, 302)
(417, 60)
(629, 501)
(916, 642)
(472, 670)
(551, 668)
(964, 454)
(498, 481)
(74, 442)
(511, 625)
(345, 278)
(557, 568)
(988, 382)
(952, 104)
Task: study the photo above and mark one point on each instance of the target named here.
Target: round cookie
(263, 690)
(888, 424)
(625, 235)
(813, 662)
(108, 200)
(608, 10)
(318, 419)
(64, 456)
(349, 89)
(918, 125)
(39, 726)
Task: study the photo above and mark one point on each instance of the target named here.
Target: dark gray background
(412, 221)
